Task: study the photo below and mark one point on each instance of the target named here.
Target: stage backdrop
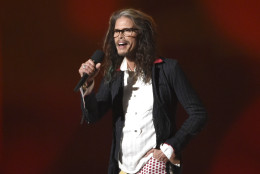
(44, 43)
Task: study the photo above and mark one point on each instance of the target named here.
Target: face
(125, 44)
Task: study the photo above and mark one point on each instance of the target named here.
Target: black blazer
(170, 86)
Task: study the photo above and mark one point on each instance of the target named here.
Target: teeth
(121, 44)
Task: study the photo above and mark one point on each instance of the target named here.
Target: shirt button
(135, 113)
(134, 95)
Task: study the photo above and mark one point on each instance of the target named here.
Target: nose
(121, 34)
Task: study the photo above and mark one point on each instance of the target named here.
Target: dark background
(44, 42)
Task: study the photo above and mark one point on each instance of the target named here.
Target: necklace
(129, 68)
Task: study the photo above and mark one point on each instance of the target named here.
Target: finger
(88, 63)
(83, 66)
(82, 69)
(98, 66)
(91, 62)
(90, 72)
(157, 153)
(149, 152)
(89, 68)
(165, 160)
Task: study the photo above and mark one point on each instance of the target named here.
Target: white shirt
(138, 135)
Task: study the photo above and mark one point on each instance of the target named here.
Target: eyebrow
(125, 29)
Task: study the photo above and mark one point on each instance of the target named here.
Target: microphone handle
(81, 82)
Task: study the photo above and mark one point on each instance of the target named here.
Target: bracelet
(85, 86)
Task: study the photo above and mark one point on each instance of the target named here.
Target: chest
(137, 95)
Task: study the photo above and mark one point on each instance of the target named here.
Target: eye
(128, 29)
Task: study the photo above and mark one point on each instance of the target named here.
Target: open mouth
(122, 44)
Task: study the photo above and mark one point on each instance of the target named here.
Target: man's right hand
(91, 69)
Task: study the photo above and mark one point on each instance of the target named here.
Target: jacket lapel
(117, 85)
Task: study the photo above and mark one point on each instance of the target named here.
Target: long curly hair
(145, 51)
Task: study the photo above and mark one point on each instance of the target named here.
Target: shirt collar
(123, 66)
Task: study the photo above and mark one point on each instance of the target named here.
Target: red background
(44, 42)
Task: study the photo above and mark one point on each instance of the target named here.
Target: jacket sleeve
(192, 105)
(94, 106)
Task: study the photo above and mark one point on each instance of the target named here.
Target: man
(143, 91)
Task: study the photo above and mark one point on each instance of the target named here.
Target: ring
(84, 66)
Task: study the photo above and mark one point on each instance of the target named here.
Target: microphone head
(98, 56)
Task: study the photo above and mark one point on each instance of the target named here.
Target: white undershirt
(138, 135)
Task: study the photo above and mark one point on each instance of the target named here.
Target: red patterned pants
(153, 166)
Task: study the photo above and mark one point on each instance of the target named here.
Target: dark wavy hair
(145, 52)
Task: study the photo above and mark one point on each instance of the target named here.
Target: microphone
(97, 57)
